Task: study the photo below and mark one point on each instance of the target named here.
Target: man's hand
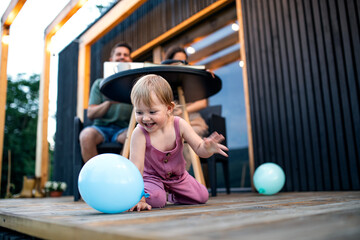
(99, 110)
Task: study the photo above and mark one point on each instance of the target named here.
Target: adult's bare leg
(89, 139)
(122, 137)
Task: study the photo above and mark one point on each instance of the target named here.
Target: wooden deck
(305, 215)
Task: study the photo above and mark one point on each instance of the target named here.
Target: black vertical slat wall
(66, 110)
(303, 59)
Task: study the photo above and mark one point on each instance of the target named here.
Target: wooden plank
(3, 90)
(65, 14)
(296, 215)
(11, 12)
(83, 89)
(42, 148)
(7, 19)
(304, 228)
(58, 231)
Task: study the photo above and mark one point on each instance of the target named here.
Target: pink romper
(165, 172)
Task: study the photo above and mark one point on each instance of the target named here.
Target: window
(220, 52)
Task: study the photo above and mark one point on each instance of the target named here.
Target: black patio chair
(212, 116)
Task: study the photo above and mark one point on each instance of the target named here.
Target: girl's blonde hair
(141, 91)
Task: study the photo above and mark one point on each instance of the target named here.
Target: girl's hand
(212, 144)
(142, 205)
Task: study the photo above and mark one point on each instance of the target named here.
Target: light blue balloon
(110, 183)
(269, 178)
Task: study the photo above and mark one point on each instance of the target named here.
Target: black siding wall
(303, 62)
(66, 110)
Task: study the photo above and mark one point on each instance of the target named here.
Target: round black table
(196, 83)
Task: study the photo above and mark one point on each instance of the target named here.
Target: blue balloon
(110, 183)
(269, 178)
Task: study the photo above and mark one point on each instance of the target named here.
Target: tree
(22, 106)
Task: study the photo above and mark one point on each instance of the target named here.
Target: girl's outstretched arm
(137, 156)
(203, 147)
(137, 149)
(212, 144)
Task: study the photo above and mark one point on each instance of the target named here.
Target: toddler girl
(157, 145)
